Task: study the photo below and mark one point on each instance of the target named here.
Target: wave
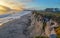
(5, 15)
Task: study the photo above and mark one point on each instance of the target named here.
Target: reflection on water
(9, 17)
(2, 16)
(15, 14)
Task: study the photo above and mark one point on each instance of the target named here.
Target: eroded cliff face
(41, 25)
(36, 24)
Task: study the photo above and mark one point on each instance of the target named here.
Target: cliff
(41, 25)
(28, 26)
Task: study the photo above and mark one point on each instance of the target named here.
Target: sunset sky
(39, 4)
(27, 4)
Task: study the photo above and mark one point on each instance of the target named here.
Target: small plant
(58, 36)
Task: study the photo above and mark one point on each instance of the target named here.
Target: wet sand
(14, 28)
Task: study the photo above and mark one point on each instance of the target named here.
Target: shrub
(58, 31)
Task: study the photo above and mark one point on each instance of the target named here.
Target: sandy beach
(14, 28)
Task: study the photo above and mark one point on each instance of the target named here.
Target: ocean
(9, 17)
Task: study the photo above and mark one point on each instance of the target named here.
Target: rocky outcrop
(41, 25)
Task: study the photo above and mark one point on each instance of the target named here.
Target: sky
(38, 4)
(41, 4)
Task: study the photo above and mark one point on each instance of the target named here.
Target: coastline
(15, 28)
(13, 17)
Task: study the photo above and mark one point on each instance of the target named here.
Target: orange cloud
(10, 4)
(4, 9)
(13, 4)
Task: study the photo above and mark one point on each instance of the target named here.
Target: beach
(14, 28)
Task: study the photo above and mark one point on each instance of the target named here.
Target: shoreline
(15, 28)
(7, 19)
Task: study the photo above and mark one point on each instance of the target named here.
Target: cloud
(13, 4)
(17, 5)
(28, 0)
(4, 9)
(25, 0)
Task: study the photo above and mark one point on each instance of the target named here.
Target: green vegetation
(46, 37)
(53, 15)
(58, 36)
